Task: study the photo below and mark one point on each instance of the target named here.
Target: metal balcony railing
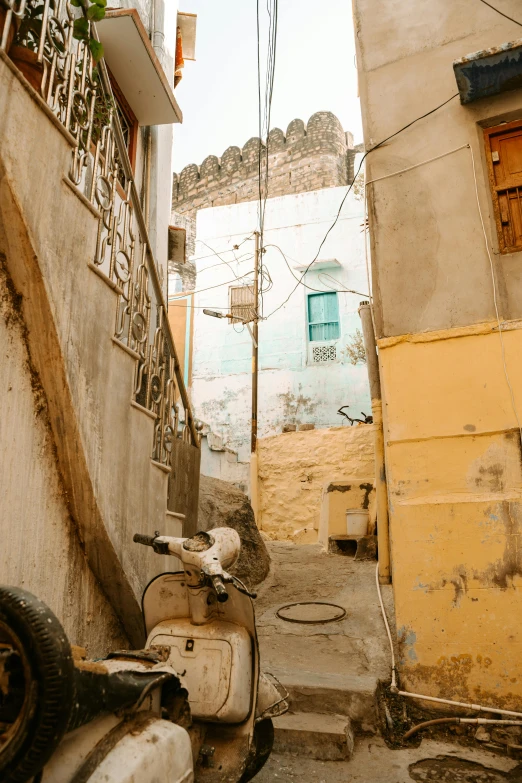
(79, 94)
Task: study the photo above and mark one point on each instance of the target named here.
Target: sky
(315, 71)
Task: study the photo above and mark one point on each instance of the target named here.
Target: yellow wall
(453, 462)
(178, 309)
(295, 467)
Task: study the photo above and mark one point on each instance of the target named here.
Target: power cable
(317, 290)
(372, 149)
(501, 13)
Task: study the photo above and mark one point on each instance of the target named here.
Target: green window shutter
(323, 317)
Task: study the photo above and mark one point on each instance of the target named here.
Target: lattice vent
(324, 353)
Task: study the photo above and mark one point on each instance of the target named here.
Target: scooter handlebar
(160, 547)
(219, 587)
(141, 538)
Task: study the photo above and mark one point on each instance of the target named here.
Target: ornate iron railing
(80, 95)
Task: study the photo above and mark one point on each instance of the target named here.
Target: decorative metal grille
(324, 353)
(82, 99)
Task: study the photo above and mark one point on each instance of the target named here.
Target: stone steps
(320, 736)
(353, 696)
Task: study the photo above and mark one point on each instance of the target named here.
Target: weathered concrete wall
(41, 550)
(312, 156)
(453, 452)
(295, 468)
(102, 443)
(435, 205)
(292, 388)
(222, 463)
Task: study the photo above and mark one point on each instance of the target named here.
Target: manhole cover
(311, 612)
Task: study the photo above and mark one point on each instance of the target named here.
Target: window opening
(323, 317)
(504, 158)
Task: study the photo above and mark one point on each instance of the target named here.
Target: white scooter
(191, 706)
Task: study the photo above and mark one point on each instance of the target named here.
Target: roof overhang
(135, 66)
(187, 24)
(489, 71)
(325, 263)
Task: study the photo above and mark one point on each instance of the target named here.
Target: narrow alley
(260, 391)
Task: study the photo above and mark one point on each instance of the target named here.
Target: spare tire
(36, 684)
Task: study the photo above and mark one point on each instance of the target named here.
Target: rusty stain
(491, 476)
(367, 488)
(295, 404)
(339, 487)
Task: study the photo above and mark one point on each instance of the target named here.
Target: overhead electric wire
(317, 290)
(501, 13)
(372, 149)
(264, 121)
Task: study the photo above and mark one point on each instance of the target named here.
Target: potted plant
(4, 8)
(24, 50)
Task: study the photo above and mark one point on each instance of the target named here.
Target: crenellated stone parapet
(308, 157)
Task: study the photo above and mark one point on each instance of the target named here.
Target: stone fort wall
(309, 157)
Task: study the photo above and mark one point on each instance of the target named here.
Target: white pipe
(476, 707)
(394, 675)
(394, 689)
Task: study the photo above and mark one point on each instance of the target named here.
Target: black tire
(28, 625)
(262, 744)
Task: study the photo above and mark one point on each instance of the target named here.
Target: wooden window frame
(310, 323)
(499, 130)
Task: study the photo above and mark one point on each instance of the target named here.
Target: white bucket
(357, 521)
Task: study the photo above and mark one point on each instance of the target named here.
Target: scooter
(192, 706)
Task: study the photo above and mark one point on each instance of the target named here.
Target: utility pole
(253, 438)
(254, 499)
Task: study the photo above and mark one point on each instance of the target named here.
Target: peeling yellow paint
(453, 462)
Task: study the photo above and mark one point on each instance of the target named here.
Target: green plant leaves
(96, 50)
(81, 29)
(95, 13)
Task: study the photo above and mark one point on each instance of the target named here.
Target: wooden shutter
(504, 156)
(242, 302)
(323, 317)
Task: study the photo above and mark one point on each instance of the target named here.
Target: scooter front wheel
(262, 744)
(37, 678)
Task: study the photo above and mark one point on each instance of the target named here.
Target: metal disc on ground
(311, 612)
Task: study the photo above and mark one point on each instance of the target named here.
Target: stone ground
(335, 667)
(374, 762)
(337, 658)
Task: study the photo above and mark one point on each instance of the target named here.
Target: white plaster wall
(224, 465)
(291, 389)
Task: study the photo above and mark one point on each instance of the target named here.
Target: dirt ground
(374, 762)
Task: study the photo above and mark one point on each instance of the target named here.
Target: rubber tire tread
(263, 742)
(52, 668)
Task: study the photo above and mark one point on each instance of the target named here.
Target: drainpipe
(157, 35)
(372, 364)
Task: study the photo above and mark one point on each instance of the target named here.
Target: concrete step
(314, 735)
(333, 694)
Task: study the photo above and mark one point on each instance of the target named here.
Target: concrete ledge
(37, 99)
(315, 735)
(85, 201)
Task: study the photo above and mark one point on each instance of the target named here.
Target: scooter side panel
(165, 598)
(214, 662)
